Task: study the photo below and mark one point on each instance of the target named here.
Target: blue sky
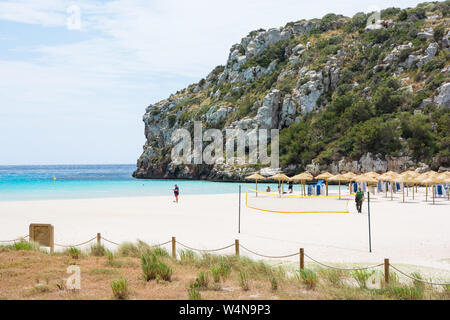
(75, 94)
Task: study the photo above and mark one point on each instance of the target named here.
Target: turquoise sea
(19, 183)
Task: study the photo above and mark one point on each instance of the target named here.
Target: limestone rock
(267, 116)
(443, 96)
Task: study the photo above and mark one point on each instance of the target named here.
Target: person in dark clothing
(176, 192)
(359, 198)
(291, 187)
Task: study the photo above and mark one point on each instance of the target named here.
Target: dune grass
(193, 276)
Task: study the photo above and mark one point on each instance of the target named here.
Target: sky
(76, 76)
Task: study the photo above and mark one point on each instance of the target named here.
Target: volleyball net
(292, 203)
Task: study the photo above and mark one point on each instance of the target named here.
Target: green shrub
(308, 277)
(224, 270)
(273, 282)
(243, 280)
(164, 271)
(434, 64)
(405, 292)
(193, 294)
(202, 281)
(187, 257)
(120, 288)
(97, 250)
(334, 276)
(153, 268)
(215, 272)
(74, 253)
(128, 249)
(160, 252)
(361, 276)
(149, 264)
(25, 246)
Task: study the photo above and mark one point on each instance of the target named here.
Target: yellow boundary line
(291, 212)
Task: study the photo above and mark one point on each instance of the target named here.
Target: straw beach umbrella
(256, 177)
(302, 177)
(424, 178)
(371, 174)
(409, 177)
(280, 177)
(445, 177)
(339, 178)
(389, 176)
(324, 176)
(365, 179)
(434, 180)
(405, 179)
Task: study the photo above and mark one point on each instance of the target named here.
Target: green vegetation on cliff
(345, 90)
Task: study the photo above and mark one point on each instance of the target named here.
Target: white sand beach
(415, 233)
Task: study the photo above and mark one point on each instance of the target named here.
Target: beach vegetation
(308, 277)
(120, 288)
(75, 253)
(243, 280)
(362, 276)
(201, 282)
(97, 250)
(194, 294)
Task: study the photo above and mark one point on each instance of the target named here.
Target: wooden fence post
(174, 248)
(386, 271)
(302, 258)
(99, 237)
(236, 246)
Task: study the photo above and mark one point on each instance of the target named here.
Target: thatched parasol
(280, 177)
(349, 175)
(405, 179)
(365, 179)
(256, 177)
(424, 179)
(390, 176)
(324, 176)
(371, 174)
(339, 178)
(434, 180)
(302, 177)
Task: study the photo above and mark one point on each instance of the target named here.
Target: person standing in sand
(176, 192)
(359, 198)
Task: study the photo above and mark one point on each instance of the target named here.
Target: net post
(386, 271)
(99, 237)
(174, 248)
(302, 258)
(236, 247)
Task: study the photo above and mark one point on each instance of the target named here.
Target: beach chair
(440, 191)
(310, 191)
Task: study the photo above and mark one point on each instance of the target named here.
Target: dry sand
(413, 233)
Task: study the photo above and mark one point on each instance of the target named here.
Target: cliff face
(344, 96)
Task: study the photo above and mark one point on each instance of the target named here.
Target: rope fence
(237, 246)
(420, 280)
(345, 269)
(75, 245)
(14, 240)
(270, 257)
(205, 250)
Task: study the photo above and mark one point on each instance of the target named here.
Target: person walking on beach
(359, 198)
(291, 187)
(176, 192)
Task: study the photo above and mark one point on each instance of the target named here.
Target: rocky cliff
(345, 95)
